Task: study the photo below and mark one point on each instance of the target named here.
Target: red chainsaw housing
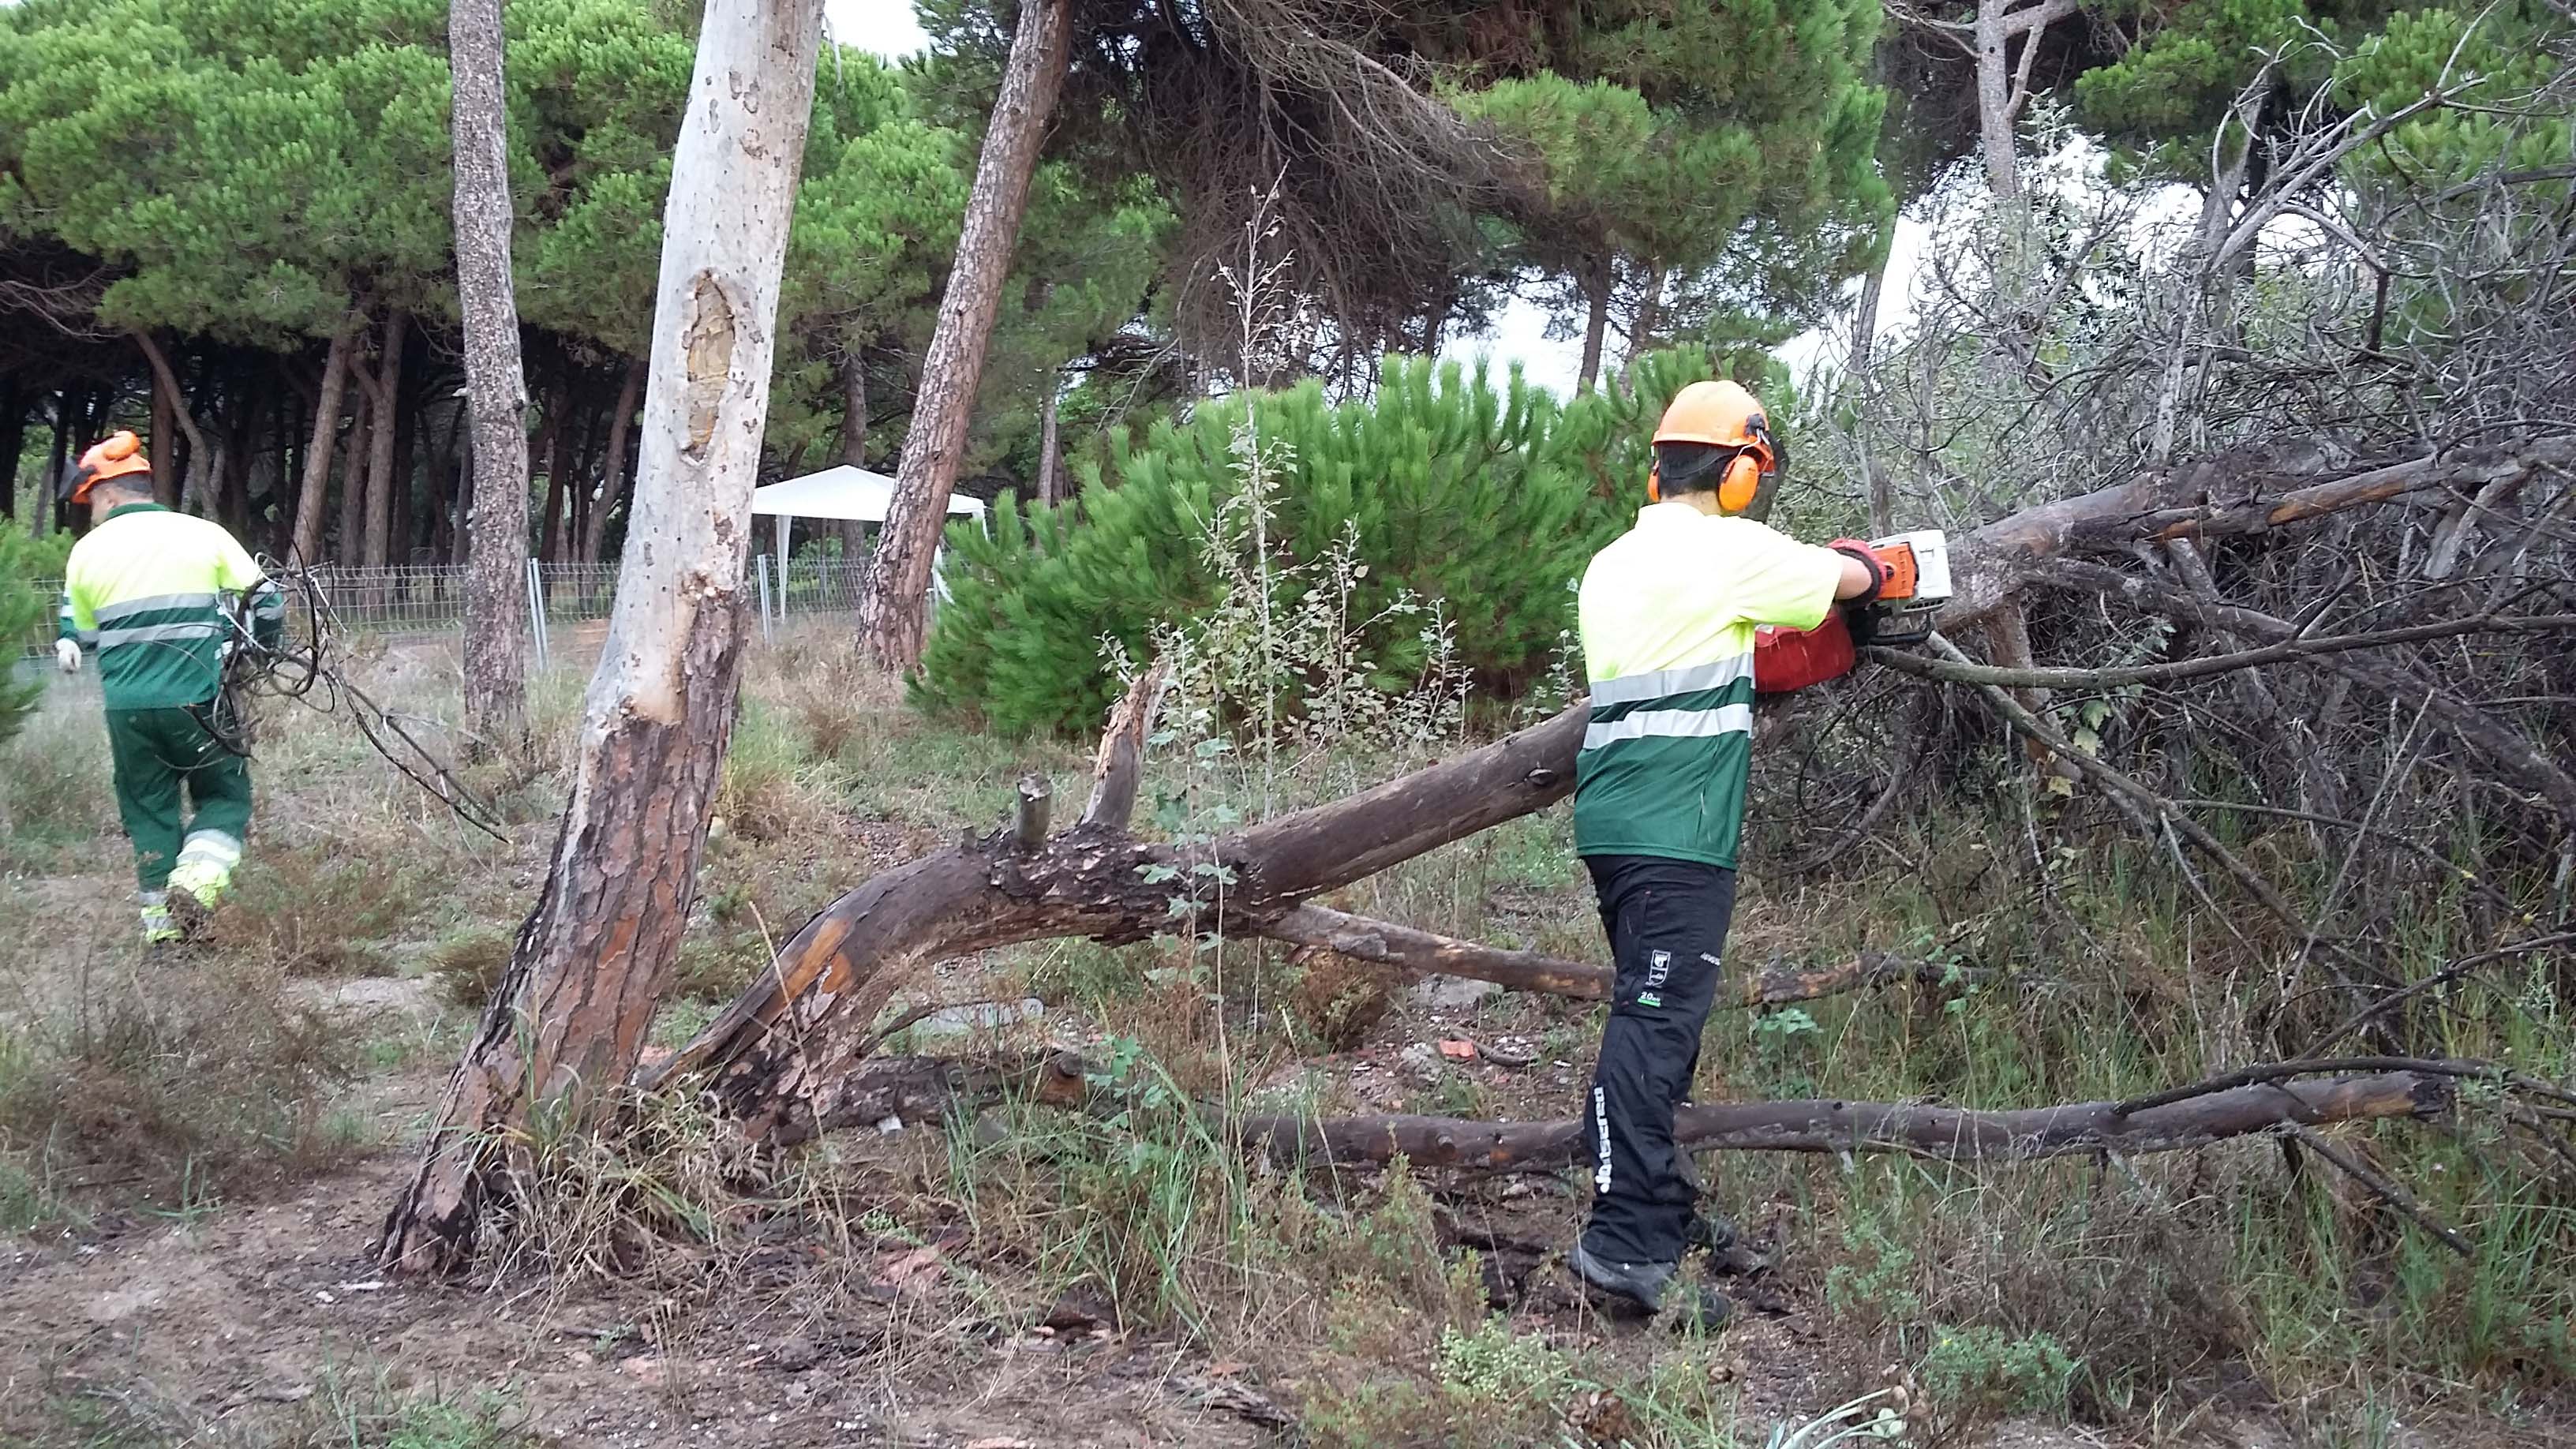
(1787, 659)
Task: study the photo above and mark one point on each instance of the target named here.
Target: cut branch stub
(1120, 766)
(1034, 802)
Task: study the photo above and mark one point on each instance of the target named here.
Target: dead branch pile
(2301, 555)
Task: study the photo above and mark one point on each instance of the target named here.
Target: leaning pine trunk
(496, 389)
(612, 474)
(567, 1021)
(306, 543)
(1596, 325)
(891, 622)
(387, 395)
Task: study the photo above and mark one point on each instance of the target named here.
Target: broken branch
(1120, 764)
(2384, 1189)
(1961, 672)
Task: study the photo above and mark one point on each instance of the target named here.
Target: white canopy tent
(847, 493)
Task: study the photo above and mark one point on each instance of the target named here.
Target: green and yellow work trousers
(165, 760)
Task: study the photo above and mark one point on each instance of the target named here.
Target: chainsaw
(1918, 584)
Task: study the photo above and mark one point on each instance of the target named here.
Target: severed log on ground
(1952, 1133)
(928, 1088)
(776, 1056)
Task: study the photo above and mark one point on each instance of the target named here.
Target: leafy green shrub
(26, 615)
(1483, 504)
(1985, 1369)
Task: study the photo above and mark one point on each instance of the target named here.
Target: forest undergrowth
(2140, 1296)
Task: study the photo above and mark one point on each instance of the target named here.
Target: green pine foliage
(1747, 186)
(2161, 100)
(2512, 49)
(1482, 500)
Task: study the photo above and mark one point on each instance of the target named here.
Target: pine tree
(1482, 500)
(1706, 190)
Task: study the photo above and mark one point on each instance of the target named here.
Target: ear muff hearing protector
(1743, 480)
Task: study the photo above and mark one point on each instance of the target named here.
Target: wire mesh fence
(430, 598)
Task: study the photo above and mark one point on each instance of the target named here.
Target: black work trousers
(1667, 922)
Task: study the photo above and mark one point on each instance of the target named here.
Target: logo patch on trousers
(1601, 1117)
(1659, 967)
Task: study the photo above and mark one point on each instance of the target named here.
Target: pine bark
(1049, 469)
(232, 480)
(893, 604)
(349, 547)
(1596, 326)
(1863, 378)
(386, 403)
(568, 1019)
(162, 441)
(306, 545)
(612, 483)
(550, 450)
(1994, 98)
(40, 517)
(177, 479)
(13, 436)
(1951, 1134)
(854, 440)
(496, 598)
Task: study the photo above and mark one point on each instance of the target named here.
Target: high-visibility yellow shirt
(1667, 618)
(147, 587)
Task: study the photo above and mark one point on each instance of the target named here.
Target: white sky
(884, 26)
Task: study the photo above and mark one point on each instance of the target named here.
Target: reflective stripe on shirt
(163, 633)
(1655, 684)
(109, 614)
(1726, 719)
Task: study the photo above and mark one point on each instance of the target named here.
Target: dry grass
(2103, 1293)
(167, 1088)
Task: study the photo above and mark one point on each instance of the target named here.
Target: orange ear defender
(1743, 480)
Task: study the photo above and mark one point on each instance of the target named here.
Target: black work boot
(1728, 1254)
(1649, 1286)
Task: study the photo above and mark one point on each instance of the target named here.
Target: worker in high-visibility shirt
(161, 596)
(1668, 617)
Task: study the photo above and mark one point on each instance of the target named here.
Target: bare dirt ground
(248, 1321)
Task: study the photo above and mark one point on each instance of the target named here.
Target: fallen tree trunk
(779, 1050)
(804, 1023)
(1952, 1133)
(918, 1089)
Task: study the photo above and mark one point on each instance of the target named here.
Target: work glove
(1858, 548)
(67, 656)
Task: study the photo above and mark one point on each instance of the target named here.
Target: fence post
(762, 561)
(537, 613)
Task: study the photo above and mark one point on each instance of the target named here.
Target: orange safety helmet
(113, 456)
(1721, 415)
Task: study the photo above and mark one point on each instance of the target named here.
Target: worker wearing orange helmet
(1669, 615)
(161, 596)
